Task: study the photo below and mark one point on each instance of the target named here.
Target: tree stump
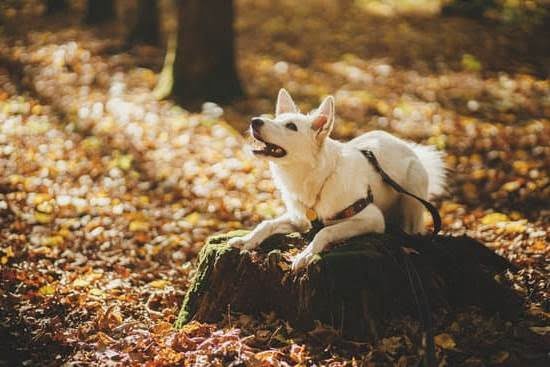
(356, 287)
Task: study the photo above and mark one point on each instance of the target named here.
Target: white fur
(328, 176)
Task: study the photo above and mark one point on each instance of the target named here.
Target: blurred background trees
(146, 29)
(55, 6)
(204, 65)
(99, 11)
(527, 13)
(198, 37)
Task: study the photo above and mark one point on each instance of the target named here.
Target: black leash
(390, 181)
(415, 281)
(423, 309)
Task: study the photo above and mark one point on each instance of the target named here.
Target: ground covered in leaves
(107, 195)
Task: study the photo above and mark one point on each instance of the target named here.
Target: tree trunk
(55, 6)
(99, 11)
(356, 287)
(146, 28)
(468, 8)
(204, 65)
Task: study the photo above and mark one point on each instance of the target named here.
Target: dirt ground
(107, 195)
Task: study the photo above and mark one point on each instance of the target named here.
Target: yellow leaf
(444, 341)
(47, 290)
(494, 218)
(511, 186)
(193, 218)
(36, 109)
(97, 292)
(45, 207)
(43, 218)
(15, 179)
(9, 251)
(521, 167)
(515, 227)
(52, 241)
(122, 161)
(479, 174)
(138, 225)
(91, 143)
(64, 232)
(40, 198)
(470, 63)
(449, 207)
(159, 283)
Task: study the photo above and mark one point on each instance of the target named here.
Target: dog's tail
(432, 160)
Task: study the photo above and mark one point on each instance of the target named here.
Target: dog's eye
(291, 126)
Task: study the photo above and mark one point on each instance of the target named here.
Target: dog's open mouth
(263, 147)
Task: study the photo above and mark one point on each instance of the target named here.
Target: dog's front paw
(236, 242)
(302, 260)
(245, 243)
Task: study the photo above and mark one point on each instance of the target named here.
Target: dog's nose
(256, 122)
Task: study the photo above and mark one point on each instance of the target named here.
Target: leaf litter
(107, 195)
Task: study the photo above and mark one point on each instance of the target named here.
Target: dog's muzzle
(269, 149)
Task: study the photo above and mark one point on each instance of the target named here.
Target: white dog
(319, 177)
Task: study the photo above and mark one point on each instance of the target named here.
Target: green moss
(215, 248)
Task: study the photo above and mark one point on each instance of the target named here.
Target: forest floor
(107, 195)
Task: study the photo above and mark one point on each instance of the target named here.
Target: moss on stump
(355, 287)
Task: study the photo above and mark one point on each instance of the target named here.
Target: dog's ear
(285, 104)
(324, 119)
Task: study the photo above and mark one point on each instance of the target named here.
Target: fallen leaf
(541, 330)
(500, 357)
(444, 341)
(193, 218)
(43, 218)
(47, 290)
(159, 283)
(138, 225)
(494, 218)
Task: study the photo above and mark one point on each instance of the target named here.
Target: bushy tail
(432, 159)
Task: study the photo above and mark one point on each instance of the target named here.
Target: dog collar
(348, 212)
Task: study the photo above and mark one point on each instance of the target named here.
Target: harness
(317, 224)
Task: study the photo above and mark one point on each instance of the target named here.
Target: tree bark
(146, 30)
(204, 65)
(468, 8)
(99, 11)
(55, 6)
(355, 287)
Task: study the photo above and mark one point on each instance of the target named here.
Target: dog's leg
(413, 215)
(369, 220)
(412, 211)
(283, 224)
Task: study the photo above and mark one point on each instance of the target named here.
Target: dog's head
(292, 137)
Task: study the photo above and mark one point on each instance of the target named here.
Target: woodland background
(121, 136)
